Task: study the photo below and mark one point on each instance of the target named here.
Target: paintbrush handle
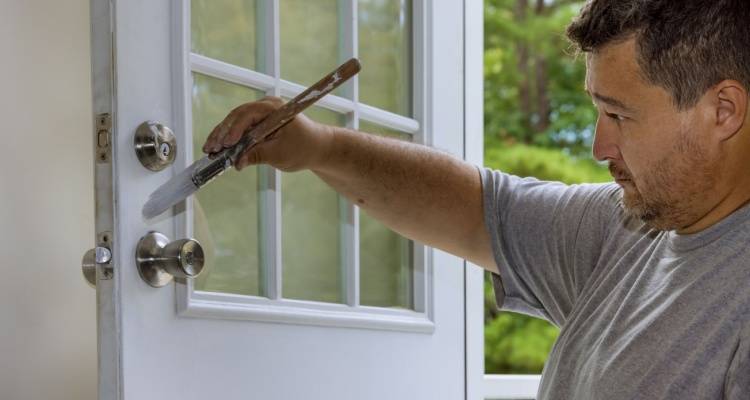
(219, 162)
(286, 113)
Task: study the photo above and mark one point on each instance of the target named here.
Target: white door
(302, 296)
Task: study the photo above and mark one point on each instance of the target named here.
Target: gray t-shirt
(644, 314)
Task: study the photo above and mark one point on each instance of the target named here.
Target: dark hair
(683, 46)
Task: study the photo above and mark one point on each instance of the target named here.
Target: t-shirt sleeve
(737, 383)
(546, 239)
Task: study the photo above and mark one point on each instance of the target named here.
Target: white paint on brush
(315, 93)
(178, 188)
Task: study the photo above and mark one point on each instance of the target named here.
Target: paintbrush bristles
(173, 191)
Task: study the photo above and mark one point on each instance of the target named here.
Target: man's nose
(605, 140)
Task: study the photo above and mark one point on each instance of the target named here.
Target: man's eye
(616, 117)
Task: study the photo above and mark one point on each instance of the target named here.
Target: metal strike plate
(155, 145)
(103, 138)
(159, 260)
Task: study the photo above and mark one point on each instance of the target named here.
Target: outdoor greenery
(533, 85)
(538, 122)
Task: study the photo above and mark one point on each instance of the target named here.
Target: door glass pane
(386, 258)
(311, 231)
(226, 211)
(227, 31)
(385, 50)
(311, 38)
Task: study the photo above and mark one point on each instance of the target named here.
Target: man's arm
(421, 193)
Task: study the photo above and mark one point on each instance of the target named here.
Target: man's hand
(301, 144)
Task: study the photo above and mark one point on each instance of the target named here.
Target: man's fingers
(215, 138)
(230, 130)
(245, 121)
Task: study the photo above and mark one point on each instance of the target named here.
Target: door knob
(159, 260)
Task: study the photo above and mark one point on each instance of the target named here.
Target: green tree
(533, 85)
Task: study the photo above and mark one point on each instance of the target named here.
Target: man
(646, 277)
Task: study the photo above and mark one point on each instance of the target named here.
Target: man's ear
(731, 108)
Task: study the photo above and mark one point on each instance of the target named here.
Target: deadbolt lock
(155, 145)
(159, 260)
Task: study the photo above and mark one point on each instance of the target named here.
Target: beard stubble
(670, 196)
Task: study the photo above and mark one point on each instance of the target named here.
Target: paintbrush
(203, 171)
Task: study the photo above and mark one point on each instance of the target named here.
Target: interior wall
(47, 311)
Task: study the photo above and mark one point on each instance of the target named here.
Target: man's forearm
(421, 193)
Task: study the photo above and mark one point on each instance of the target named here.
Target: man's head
(670, 80)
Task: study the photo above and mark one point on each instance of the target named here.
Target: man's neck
(737, 196)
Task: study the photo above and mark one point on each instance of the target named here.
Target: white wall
(47, 311)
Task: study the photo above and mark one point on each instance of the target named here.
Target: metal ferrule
(211, 170)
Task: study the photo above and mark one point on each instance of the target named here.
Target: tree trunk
(524, 70)
(542, 98)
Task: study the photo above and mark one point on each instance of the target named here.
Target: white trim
(511, 386)
(269, 184)
(183, 120)
(422, 73)
(330, 101)
(388, 119)
(348, 212)
(473, 152)
(256, 80)
(422, 106)
(230, 73)
(228, 306)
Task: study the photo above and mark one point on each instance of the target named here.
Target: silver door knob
(97, 255)
(159, 260)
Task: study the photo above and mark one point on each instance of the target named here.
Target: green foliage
(543, 163)
(534, 91)
(516, 343)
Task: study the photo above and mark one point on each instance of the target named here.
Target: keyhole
(165, 149)
(189, 258)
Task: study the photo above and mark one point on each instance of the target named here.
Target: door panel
(160, 351)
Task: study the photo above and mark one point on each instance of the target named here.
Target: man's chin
(636, 207)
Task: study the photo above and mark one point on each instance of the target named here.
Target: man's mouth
(622, 181)
(620, 176)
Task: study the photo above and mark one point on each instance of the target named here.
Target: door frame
(474, 153)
